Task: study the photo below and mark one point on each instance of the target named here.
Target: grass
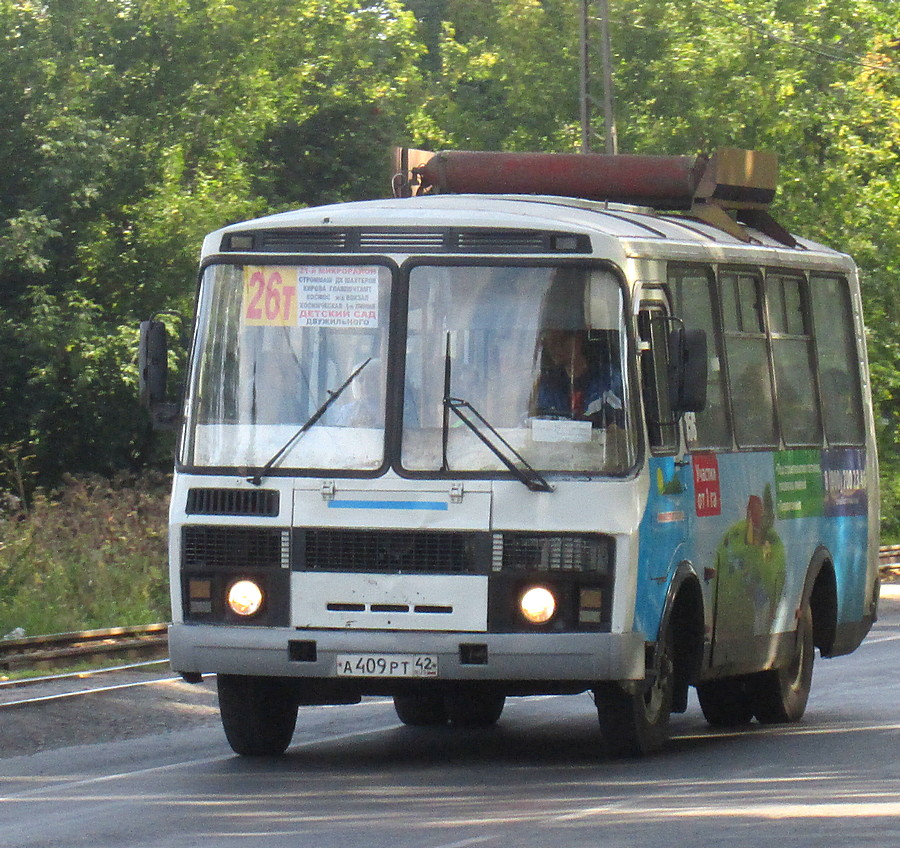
(90, 555)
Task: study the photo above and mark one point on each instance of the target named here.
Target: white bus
(454, 447)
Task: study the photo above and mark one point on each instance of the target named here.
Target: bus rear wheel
(780, 695)
(726, 703)
(421, 710)
(635, 723)
(258, 715)
(474, 708)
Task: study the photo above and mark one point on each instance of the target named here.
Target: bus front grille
(214, 547)
(390, 551)
(572, 552)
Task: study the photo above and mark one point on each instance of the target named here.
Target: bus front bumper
(487, 657)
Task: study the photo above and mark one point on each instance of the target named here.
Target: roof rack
(729, 189)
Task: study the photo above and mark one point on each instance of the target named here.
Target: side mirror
(153, 363)
(688, 366)
(153, 374)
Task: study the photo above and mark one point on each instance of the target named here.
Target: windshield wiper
(526, 473)
(257, 478)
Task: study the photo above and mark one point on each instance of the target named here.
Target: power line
(761, 29)
(831, 55)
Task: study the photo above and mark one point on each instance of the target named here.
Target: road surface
(355, 778)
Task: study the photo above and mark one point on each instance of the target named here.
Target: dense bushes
(92, 554)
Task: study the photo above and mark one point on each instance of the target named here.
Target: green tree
(507, 69)
(130, 129)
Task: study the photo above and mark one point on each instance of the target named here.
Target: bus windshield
(537, 351)
(533, 355)
(274, 343)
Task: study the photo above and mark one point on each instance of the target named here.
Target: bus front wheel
(258, 715)
(635, 723)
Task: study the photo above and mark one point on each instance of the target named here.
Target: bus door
(666, 525)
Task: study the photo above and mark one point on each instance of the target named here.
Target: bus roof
(613, 228)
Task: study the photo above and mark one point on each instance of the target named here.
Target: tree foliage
(132, 127)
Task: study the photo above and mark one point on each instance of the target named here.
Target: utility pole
(609, 113)
(584, 70)
(585, 51)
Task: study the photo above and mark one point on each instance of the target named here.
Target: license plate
(387, 665)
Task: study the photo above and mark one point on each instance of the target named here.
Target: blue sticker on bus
(438, 506)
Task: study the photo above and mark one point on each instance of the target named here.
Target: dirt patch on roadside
(103, 716)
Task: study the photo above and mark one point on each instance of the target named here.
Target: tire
(633, 724)
(780, 695)
(421, 710)
(726, 703)
(258, 715)
(473, 708)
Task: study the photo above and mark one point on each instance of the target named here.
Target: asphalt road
(355, 778)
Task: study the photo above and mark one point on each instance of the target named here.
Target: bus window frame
(856, 363)
(715, 342)
(759, 275)
(658, 300)
(238, 259)
(778, 272)
(762, 273)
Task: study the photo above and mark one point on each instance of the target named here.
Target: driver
(577, 384)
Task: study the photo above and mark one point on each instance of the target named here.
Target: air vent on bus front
(232, 502)
(582, 552)
(444, 240)
(303, 241)
(402, 242)
(514, 241)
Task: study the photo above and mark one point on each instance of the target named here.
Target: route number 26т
(270, 297)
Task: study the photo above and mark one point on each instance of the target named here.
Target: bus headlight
(537, 605)
(245, 598)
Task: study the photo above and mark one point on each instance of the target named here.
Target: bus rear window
(842, 407)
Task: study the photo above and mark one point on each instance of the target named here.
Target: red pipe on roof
(663, 182)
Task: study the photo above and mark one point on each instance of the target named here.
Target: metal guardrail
(37, 652)
(151, 642)
(889, 555)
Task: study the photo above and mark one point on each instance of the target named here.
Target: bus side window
(692, 288)
(838, 361)
(750, 381)
(662, 427)
(795, 388)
